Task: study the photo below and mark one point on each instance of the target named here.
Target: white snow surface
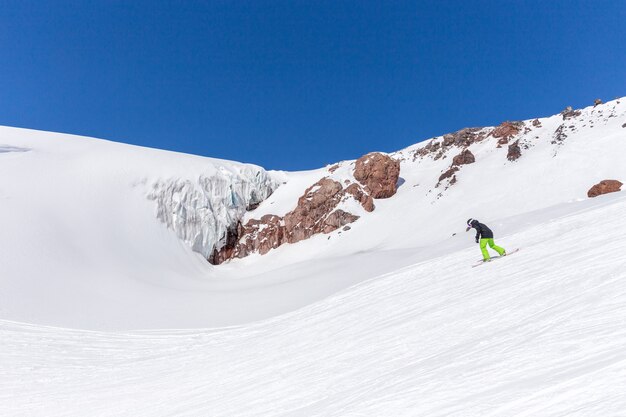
(541, 333)
(105, 311)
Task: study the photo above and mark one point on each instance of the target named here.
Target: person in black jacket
(484, 236)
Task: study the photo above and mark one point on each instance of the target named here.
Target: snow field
(387, 319)
(542, 332)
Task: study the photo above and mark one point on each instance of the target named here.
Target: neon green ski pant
(492, 245)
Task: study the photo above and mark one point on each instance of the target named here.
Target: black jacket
(482, 231)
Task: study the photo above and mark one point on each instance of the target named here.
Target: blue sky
(299, 84)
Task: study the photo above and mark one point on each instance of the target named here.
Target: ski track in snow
(10, 149)
(542, 333)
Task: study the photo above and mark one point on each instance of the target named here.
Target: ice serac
(206, 212)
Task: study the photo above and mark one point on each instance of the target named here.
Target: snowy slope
(491, 188)
(385, 319)
(539, 333)
(81, 245)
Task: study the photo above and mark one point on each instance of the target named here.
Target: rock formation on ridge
(319, 209)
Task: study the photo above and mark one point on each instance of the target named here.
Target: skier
(484, 236)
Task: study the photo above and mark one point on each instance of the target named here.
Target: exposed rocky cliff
(323, 208)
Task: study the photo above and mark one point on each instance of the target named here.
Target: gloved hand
(476, 240)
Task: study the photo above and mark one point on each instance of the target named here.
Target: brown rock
(361, 196)
(337, 219)
(269, 232)
(570, 113)
(257, 236)
(464, 137)
(316, 203)
(449, 173)
(448, 140)
(514, 151)
(502, 141)
(379, 173)
(316, 211)
(333, 168)
(597, 102)
(604, 187)
(227, 251)
(506, 131)
(464, 158)
(536, 123)
(430, 147)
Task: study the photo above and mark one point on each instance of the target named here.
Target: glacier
(203, 213)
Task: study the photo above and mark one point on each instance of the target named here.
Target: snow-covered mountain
(485, 173)
(384, 317)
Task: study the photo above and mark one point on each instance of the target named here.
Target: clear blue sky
(299, 84)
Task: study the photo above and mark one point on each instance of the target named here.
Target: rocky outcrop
(514, 151)
(604, 187)
(316, 212)
(461, 138)
(536, 123)
(361, 196)
(597, 102)
(431, 147)
(336, 219)
(464, 158)
(319, 209)
(379, 174)
(449, 173)
(313, 209)
(464, 137)
(505, 131)
(219, 255)
(259, 236)
(570, 113)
